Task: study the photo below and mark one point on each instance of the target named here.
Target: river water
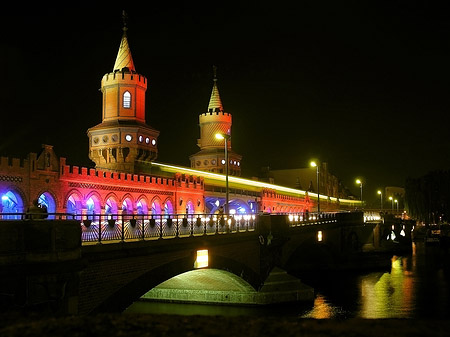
(416, 286)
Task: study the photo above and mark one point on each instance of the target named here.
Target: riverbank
(142, 325)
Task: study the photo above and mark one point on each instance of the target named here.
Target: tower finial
(124, 59)
(124, 20)
(215, 73)
(215, 104)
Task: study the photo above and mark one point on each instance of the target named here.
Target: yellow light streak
(248, 183)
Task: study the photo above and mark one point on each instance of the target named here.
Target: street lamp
(396, 201)
(226, 138)
(381, 199)
(358, 181)
(392, 202)
(316, 165)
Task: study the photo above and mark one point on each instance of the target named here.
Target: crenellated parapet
(124, 76)
(89, 176)
(217, 116)
(13, 164)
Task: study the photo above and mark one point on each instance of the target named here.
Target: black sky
(361, 85)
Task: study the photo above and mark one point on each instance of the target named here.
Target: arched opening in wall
(93, 206)
(11, 202)
(47, 202)
(111, 208)
(74, 205)
(141, 207)
(156, 207)
(190, 208)
(212, 205)
(168, 207)
(127, 206)
(239, 207)
(268, 210)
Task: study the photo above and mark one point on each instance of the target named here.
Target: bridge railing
(113, 227)
(305, 219)
(121, 227)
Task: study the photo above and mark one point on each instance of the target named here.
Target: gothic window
(127, 100)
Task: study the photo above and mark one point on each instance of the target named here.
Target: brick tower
(211, 156)
(123, 141)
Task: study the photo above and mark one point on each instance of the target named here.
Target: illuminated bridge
(60, 265)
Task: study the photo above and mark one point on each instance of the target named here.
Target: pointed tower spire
(215, 104)
(124, 58)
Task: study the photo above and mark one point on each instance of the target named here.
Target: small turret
(211, 156)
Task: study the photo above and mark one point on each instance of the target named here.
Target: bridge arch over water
(150, 266)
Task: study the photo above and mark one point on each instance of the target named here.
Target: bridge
(74, 267)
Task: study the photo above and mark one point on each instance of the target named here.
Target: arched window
(127, 100)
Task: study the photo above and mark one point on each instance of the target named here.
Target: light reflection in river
(416, 286)
(390, 295)
(322, 309)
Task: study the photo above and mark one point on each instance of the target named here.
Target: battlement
(217, 116)
(10, 163)
(93, 176)
(124, 76)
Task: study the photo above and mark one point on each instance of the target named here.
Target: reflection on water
(418, 285)
(323, 309)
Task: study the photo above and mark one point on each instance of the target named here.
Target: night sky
(362, 87)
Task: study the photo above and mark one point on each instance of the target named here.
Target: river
(416, 286)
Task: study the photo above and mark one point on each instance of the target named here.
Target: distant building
(306, 179)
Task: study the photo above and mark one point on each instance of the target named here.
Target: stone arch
(12, 201)
(111, 205)
(168, 206)
(74, 203)
(47, 200)
(155, 206)
(130, 292)
(239, 207)
(142, 205)
(93, 203)
(127, 204)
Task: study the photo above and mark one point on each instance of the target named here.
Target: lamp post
(358, 181)
(226, 138)
(396, 201)
(316, 165)
(381, 199)
(392, 202)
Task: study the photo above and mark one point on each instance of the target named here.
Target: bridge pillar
(40, 262)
